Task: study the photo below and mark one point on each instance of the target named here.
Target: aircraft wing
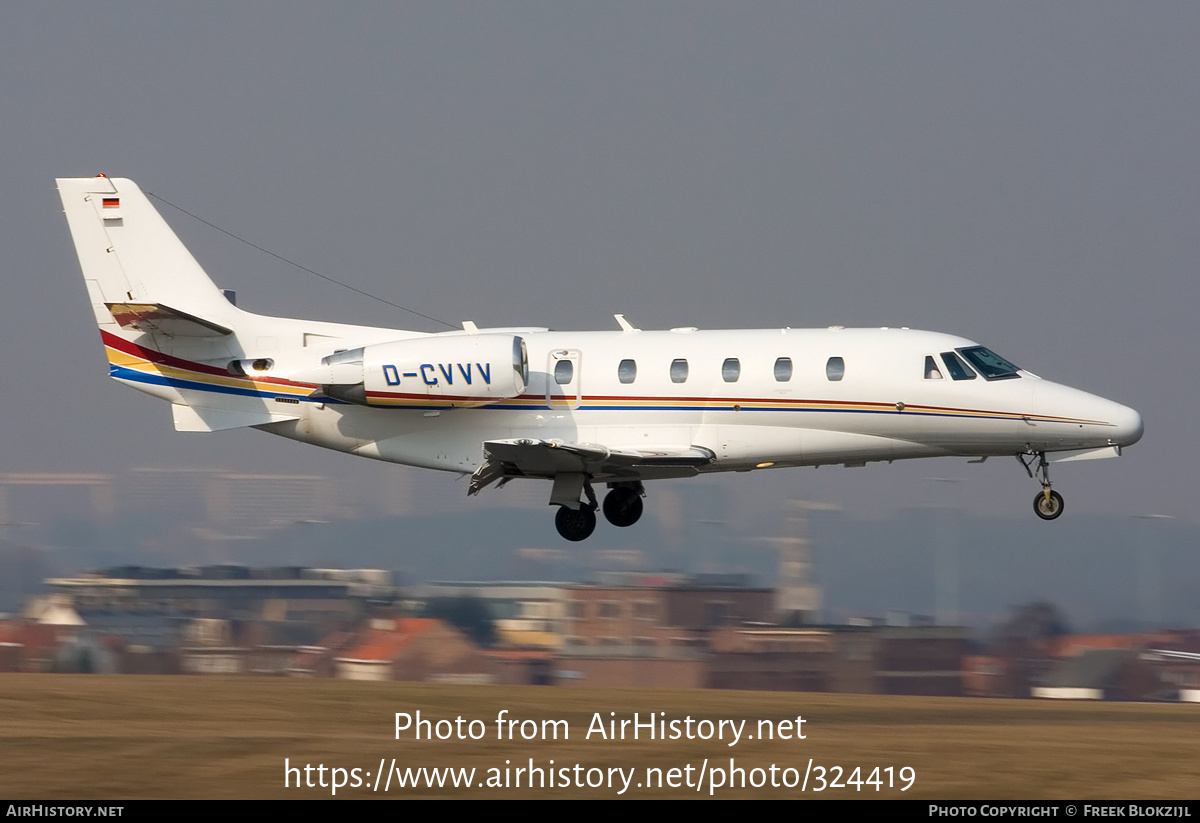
(548, 458)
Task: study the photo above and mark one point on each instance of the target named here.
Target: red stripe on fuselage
(163, 359)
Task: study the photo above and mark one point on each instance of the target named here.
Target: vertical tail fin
(138, 273)
(166, 327)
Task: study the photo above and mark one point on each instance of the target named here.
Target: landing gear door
(563, 384)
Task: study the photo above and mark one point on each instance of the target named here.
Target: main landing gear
(622, 507)
(1048, 504)
(576, 524)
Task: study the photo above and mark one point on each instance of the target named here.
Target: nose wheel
(1048, 504)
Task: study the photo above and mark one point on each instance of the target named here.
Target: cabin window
(679, 371)
(957, 368)
(730, 370)
(991, 365)
(627, 371)
(932, 372)
(564, 370)
(835, 369)
(783, 369)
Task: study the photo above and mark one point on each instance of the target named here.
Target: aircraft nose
(1129, 425)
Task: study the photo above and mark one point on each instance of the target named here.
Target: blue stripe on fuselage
(154, 379)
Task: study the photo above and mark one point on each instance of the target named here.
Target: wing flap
(549, 458)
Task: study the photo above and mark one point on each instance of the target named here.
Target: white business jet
(576, 408)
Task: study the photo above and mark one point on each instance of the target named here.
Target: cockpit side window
(932, 372)
(991, 365)
(957, 368)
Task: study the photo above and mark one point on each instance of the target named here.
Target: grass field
(127, 737)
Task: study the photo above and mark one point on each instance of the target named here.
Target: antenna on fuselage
(624, 324)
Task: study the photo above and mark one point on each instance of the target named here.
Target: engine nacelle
(431, 372)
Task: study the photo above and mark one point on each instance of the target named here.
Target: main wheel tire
(1048, 508)
(575, 524)
(622, 507)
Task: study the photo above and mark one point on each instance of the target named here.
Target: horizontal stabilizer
(203, 419)
(155, 317)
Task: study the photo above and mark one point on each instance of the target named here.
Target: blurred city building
(626, 629)
(1138, 666)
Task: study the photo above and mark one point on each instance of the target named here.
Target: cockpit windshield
(991, 365)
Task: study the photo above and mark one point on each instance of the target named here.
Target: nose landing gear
(1048, 504)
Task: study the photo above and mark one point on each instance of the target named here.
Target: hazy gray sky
(1024, 174)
